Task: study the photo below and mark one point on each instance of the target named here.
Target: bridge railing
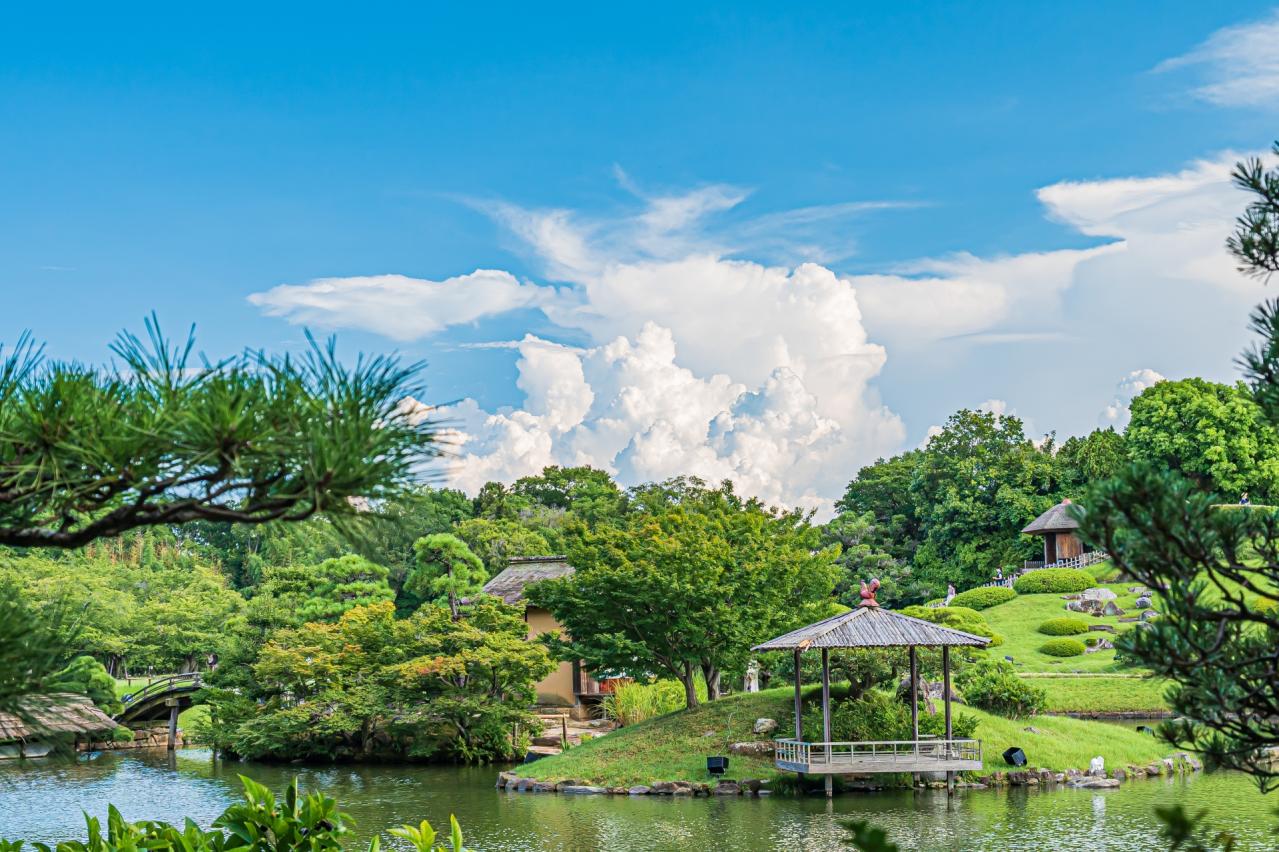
(170, 683)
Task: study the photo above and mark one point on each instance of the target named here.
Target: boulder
(1102, 628)
(728, 788)
(1148, 614)
(1155, 769)
(1119, 774)
(764, 726)
(619, 791)
(1111, 609)
(1031, 729)
(1098, 594)
(751, 785)
(682, 788)
(1143, 602)
(542, 787)
(757, 748)
(1092, 782)
(1129, 619)
(663, 788)
(504, 778)
(1076, 606)
(639, 790)
(583, 790)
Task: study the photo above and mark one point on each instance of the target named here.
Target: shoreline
(1175, 765)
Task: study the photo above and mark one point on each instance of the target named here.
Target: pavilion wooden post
(914, 704)
(830, 781)
(945, 670)
(799, 719)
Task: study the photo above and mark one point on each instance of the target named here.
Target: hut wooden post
(945, 669)
(173, 725)
(799, 719)
(830, 789)
(914, 703)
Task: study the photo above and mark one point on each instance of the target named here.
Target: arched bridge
(159, 700)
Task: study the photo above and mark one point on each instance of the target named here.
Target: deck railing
(909, 753)
(188, 680)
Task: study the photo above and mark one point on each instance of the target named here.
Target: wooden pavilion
(1060, 532)
(870, 626)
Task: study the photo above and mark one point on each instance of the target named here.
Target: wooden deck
(926, 755)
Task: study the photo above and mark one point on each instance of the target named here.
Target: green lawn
(1018, 621)
(1105, 693)
(675, 746)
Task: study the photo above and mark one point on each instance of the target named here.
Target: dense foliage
(447, 572)
(1054, 581)
(1215, 435)
(685, 581)
(993, 685)
(1063, 647)
(310, 823)
(877, 715)
(86, 676)
(162, 438)
(983, 597)
(373, 685)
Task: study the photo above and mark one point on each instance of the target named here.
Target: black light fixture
(1008, 658)
(717, 765)
(1014, 756)
(1145, 729)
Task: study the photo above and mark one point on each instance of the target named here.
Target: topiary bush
(1053, 580)
(879, 715)
(984, 597)
(1062, 647)
(957, 618)
(993, 685)
(1064, 626)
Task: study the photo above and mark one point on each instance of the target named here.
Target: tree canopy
(685, 582)
(447, 571)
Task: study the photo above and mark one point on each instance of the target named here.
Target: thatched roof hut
(518, 573)
(56, 713)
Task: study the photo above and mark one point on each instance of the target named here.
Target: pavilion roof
(1056, 519)
(871, 627)
(57, 713)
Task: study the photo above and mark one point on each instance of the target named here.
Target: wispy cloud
(1239, 65)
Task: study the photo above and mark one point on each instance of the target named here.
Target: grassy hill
(1108, 687)
(675, 746)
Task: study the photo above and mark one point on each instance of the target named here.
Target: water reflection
(43, 801)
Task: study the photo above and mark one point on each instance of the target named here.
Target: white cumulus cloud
(1116, 411)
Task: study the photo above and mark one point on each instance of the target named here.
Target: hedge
(983, 597)
(1064, 626)
(1062, 647)
(1054, 580)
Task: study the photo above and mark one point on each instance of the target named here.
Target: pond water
(43, 801)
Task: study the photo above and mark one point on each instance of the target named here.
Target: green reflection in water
(42, 801)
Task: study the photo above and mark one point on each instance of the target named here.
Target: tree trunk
(712, 677)
(690, 686)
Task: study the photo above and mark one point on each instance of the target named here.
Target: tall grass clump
(632, 703)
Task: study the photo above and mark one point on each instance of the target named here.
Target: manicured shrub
(983, 597)
(1062, 647)
(122, 735)
(1091, 641)
(956, 618)
(993, 685)
(1063, 626)
(1054, 581)
(86, 676)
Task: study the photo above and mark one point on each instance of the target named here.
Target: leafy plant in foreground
(258, 824)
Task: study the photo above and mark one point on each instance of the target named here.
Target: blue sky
(181, 162)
